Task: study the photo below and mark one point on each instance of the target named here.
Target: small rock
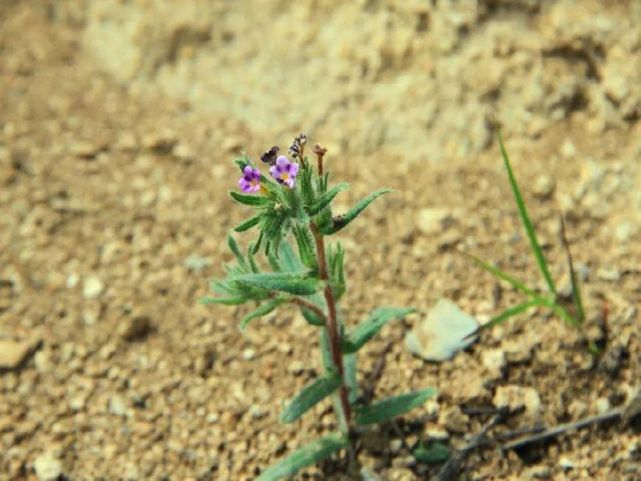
(518, 350)
(197, 263)
(13, 353)
(454, 420)
(566, 463)
(117, 406)
(296, 367)
(135, 328)
(92, 287)
(437, 434)
(160, 142)
(517, 397)
(183, 151)
(568, 149)
(72, 280)
(77, 403)
(608, 274)
(544, 187)
(42, 360)
(433, 220)
(624, 232)
(47, 467)
(494, 362)
(537, 472)
(442, 333)
(602, 405)
(395, 445)
(86, 150)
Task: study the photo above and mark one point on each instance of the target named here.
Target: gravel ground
(113, 214)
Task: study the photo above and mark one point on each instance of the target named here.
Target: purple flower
(284, 171)
(250, 181)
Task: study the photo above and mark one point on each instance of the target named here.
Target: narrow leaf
(496, 272)
(263, 309)
(311, 395)
(312, 318)
(576, 289)
(432, 453)
(370, 326)
(253, 200)
(305, 456)
(351, 381)
(289, 261)
(229, 301)
(512, 311)
(248, 224)
(341, 221)
(233, 246)
(325, 198)
(527, 223)
(392, 407)
(292, 283)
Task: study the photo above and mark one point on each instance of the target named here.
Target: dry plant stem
(332, 321)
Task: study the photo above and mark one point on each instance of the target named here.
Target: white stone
(92, 287)
(47, 467)
(117, 406)
(493, 360)
(442, 333)
(544, 186)
(433, 220)
(602, 405)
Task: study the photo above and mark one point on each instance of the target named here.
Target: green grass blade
(311, 395)
(496, 272)
(367, 329)
(305, 456)
(513, 311)
(527, 223)
(392, 407)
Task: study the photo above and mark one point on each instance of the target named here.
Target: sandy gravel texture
(117, 124)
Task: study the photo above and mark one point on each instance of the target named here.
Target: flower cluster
(281, 168)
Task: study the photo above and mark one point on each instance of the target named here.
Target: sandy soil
(113, 214)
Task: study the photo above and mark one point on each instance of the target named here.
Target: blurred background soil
(118, 121)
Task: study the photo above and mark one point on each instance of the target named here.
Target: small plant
(295, 203)
(571, 312)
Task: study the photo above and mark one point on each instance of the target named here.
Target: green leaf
(336, 272)
(306, 247)
(243, 161)
(292, 283)
(392, 407)
(351, 381)
(513, 311)
(325, 198)
(228, 301)
(370, 326)
(311, 317)
(263, 309)
(496, 272)
(432, 453)
(233, 246)
(527, 223)
(252, 200)
(288, 260)
(326, 352)
(305, 456)
(341, 221)
(311, 395)
(253, 249)
(248, 224)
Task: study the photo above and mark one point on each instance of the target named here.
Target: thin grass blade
(527, 223)
(512, 311)
(576, 289)
(496, 272)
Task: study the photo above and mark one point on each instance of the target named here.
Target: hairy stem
(332, 321)
(308, 305)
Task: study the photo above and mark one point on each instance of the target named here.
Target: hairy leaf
(252, 200)
(311, 317)
(292, 283)
(233, 246)
(341, 221)
(311, 395)
(228, 301)
(392, 407)
(324, 199)
(351, 381)
(306, 248)
(261, 310)
(305, 456)
(370, 326)
(525, 219)
(248, 224)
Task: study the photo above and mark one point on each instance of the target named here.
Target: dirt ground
(114, 211)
